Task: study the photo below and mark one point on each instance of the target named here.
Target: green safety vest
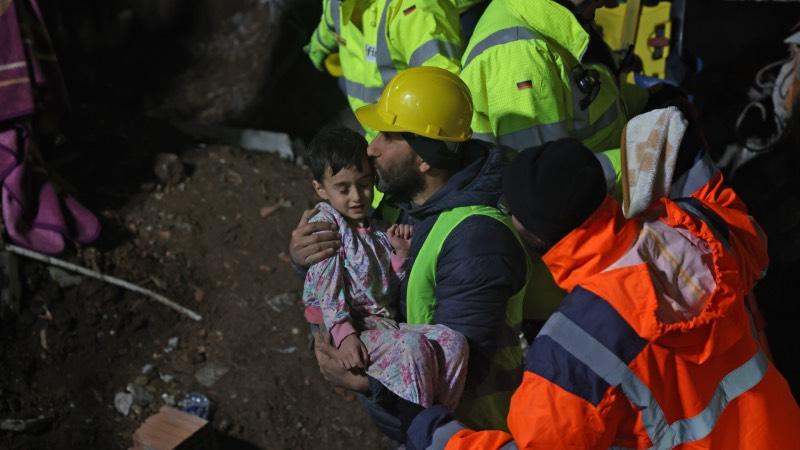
(519, 65)
(487, 407)
(394, 35)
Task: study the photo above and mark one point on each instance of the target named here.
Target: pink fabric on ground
(34, 215)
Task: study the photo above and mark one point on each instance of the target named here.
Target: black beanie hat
(433, 152)
(554, 188)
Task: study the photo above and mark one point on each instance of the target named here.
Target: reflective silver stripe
(583, 130)
(500, 37)
(616, 373)
(736, 383)
(364, 93)
(539, 134)
(487, 137)
(336, 15)
(609, 367)
(608, 171)
(443, 434)
(382, 56)
(509, 446)
(534, 136)
(430, 49)
(691, 209)
(699, 174)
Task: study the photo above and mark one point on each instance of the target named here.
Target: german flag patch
(409, 10)
(522, 85)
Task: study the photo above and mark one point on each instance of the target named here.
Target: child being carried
(355, 292)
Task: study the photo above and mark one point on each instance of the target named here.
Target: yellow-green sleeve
(634, 97)
(323, 41)
(512, 97)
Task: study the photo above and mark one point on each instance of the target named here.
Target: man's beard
(402, 182)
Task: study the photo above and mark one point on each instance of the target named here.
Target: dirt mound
(213, 241)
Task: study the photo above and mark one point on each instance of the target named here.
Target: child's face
(349, 191)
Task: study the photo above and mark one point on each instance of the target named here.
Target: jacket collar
(554, 22)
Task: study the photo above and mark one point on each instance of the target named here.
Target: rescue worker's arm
(543, 416)
(521, 105)
(323, 41)
(426, 33)
(312, 242)
(480, 267)
(562, 402)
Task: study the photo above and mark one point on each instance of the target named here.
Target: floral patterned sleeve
(325, 286)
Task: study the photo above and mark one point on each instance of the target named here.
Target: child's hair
(337, 147)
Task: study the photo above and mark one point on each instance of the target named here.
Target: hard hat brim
(370, 117)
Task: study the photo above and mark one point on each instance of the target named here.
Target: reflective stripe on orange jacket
(652, 347)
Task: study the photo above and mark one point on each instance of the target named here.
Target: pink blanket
(34, 213)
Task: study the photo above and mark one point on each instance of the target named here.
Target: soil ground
(215, 243)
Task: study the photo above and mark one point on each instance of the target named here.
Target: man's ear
(320, 189)
(424, 167)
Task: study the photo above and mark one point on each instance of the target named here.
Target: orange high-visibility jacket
(653, 346)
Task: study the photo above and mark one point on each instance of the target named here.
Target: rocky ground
(215, 241)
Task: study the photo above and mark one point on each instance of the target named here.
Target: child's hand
(352, 353)
(400, 238)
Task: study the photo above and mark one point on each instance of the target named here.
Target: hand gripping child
(354, 293)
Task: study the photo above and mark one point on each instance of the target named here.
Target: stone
(123, 402)
(280, 301)
(209, 373)
(169, 169)
(63, 278)
(139, 394)
(35, 425)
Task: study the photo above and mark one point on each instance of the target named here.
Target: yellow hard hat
(427, 101)
(333, 65)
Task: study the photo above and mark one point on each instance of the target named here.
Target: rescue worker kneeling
(652, 346)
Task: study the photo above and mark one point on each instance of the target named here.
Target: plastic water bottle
(197, 404)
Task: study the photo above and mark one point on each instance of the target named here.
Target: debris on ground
(209, 373)
(280, 302)
(34, 425)
(279, 144)
(139, 393)
(123, 402)
(172, 429)
(63, 278)
(169, 169)
(196, 404)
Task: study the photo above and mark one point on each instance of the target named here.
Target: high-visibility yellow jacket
(521, 66)
(392, 35)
